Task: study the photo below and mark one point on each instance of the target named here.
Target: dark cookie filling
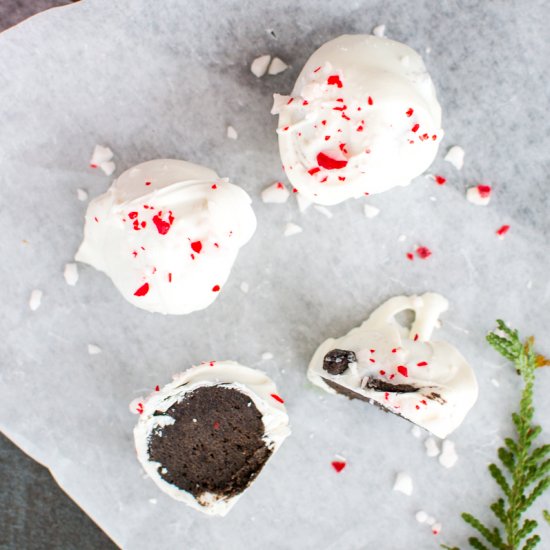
(215, 444)
(337, 361)
(354, 395)
(381, 385)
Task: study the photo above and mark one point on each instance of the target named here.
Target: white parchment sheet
(157, 79)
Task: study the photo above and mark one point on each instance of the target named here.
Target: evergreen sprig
(523, 473)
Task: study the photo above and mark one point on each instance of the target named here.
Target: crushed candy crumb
(35, 299)
(277, 66)
(71, 274)
(93, 349)
(403, 483)
(260, 65)
(380, 31)
(232, 133)
(82, 195)
(370, 211)
(455, 155)
(276, 193)
(292, 229)
(480, 195)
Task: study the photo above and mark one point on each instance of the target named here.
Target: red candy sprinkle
(313, 171)
(169, 277)
(142, 290)
(484, 191)
(277, 398)
(139, 408)
(214, 186)
(216, 425)
(423, 252)
(162, 226)
(415, 128)
(197, 246)
(216, 288)
(329, 163)
(415, 337)
(338, 465)
(334, 80)
(133, 215)
(403, 371)
(359, 128)
(147, 183)
(503, 230)
(382, 372)
(93, 165)
(410, 256)
(372, 360)
(440, 180)
(280, 185)
(317, 70)
(95, 218)
(370, 101)
(421, 364)
(410, 111)
(157, 388)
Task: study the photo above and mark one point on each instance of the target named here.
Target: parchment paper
(164, 79)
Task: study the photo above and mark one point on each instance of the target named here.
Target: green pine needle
(523, 476)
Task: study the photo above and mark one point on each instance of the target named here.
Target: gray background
(489, 62)
(34, 512)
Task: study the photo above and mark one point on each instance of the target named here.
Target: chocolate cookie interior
(215, 444)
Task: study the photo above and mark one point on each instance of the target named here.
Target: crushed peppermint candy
(277, 66)
(35, 299)
(455, 155)
(93, 349)
(432, 449)
(403, 483)
(423, 252)
(276, 193)
(277, 398)
(260, 65)
(440, 180)
(142, 290)
(380, 31)
(232, 133)
(292, 229)
(136, 405)
(421, 516)
(448, 456)
(502, 230)
(102, 158)
(339, 463)
(303, 202)
(71, 274)
(480, 195)
(324, 210)
(82, 195)
(370, 211)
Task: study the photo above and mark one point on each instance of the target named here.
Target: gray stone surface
(35, 513)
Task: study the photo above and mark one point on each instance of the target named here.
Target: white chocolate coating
(388, 351)
(167, 233)
(248, 381)
(366, 102)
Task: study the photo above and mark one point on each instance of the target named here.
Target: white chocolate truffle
(167, 233)
(403, 371)
(363, 117)
(257, 389)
